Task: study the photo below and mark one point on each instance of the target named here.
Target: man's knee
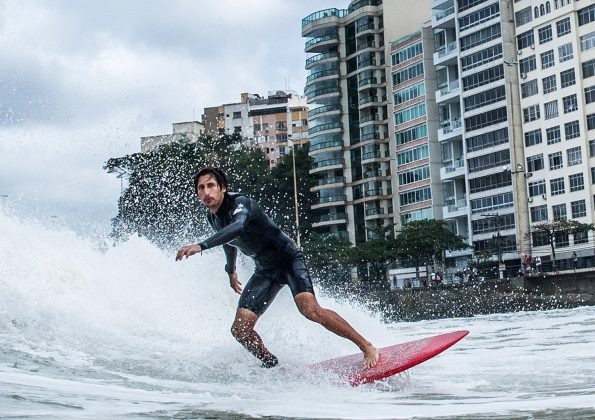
(312, 311)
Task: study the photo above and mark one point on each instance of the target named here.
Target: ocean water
(89, 331)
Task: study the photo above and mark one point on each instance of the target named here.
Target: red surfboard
(393, 359)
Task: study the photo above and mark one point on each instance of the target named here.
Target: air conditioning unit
(530, 199)
(532, 46)
(523, 75)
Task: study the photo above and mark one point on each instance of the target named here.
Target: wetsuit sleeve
(230, 256)
(239, 218)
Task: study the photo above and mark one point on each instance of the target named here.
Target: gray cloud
(82, 81)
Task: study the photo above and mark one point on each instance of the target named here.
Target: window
(476, 18)
(523, 16)
(561, 239)
(407, 53)
(563, 26)
(570, 103)
(493, 202)
(547, 59)
(574, 156)
(483, 77)
(281, 125)
(557, 186)
(586, 15)
(481, 57)
(539, 239)
(237, 114)
(486, 97)
(485, 140)
(576, 182)
(481, 37)
(581, 237)
(559, 212)
(545, 34)
(555, 160)
(535, 163)
(491, 160)
(532, 137)
(588, 41)
(592, 175)
(527, 64)
(531, 113)
(553, 135)
(411, 113)
(550, 109)
(415, 196)
(408, 73)
(588, 69)
(565, 52)
(590, 121)
(572, 130)
(567, 78)
(412, 134)
(485, 119)
(525, 39)
(549, 84)
(537, 188)
(529, 88)
(410, 93)
(590, 94)
(539, 213)
(578, 208)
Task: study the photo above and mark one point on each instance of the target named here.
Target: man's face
(209, 192)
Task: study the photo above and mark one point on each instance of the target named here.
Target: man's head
(210, 185)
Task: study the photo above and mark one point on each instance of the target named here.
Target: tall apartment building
(479, 127)
(349, 117)
(418, 187)
(555, 60)
(267, 123)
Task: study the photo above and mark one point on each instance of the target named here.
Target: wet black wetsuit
(240, 223)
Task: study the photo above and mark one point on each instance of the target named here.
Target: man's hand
(187, 251)
(235, 283)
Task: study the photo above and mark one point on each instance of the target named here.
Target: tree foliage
(423, 242)
(553, 229)
(159, 201)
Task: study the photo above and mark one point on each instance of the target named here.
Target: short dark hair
(217, 173)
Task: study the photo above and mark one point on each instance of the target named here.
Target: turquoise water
(127, 332)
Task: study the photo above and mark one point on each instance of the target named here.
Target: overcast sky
(82, 81)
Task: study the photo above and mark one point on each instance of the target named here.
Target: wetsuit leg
(296, 275)
(259, 292)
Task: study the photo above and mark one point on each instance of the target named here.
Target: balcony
(320, 43)
(332, 199)
(325, 145)
(328, 163)
(453, 169)
(324, 109)
(342, 217)
(321, 58)
(325, 127)
(449, 93)
(444, 18)
(323, 14)
(321, 92)
(454, 208)
(450, 128)
(447, 54)
(320, 75)
(331, 180)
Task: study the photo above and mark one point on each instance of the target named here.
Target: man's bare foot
(371, 356)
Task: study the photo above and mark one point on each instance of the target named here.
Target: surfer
(240, 223)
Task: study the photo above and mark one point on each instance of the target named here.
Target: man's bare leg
(309, 307)
(243, 331)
